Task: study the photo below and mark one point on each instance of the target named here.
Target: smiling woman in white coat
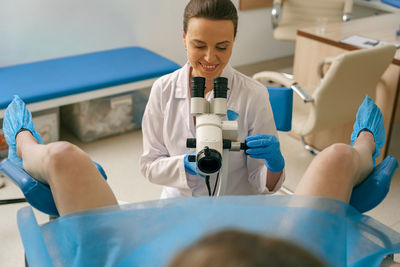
(209, 31)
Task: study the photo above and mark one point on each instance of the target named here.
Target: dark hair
(211, 9)
(236, 248)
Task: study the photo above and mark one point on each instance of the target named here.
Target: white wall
(32, 30)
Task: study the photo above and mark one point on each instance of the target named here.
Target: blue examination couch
(53, 83)
(56, 82)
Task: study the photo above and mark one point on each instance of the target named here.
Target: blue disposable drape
(150, 233)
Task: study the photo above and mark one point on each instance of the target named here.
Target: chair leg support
(288, 75)
(388, 261)
(286, 190)
(310, 148)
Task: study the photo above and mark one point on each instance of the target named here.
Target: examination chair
(290, 15)
(281, 99)
(149, 233)
(40, 197)
(337, 96)
(125, 242)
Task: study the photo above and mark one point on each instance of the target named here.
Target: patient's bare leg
(74, 180)
(334, 172)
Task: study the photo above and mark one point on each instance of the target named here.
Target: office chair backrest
(296, 14)
(350, 77)
(307, 11)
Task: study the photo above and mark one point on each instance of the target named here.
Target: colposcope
(214, 137)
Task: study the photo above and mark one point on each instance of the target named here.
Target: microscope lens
(197, 85)
(209, 160)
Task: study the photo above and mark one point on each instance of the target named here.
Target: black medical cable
(12, 201)
(215, 185)
(208, 185)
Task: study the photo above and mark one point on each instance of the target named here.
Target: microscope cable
(208, 185)
(207, 178)
(215, 185)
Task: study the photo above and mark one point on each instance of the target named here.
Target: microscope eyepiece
(220, 87)
(197, 85)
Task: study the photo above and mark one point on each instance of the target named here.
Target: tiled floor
(119, 155)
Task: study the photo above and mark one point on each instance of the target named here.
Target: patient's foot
(17, 117)
(372, 182)
(365, 145)
(24, 137)
(369, 118)
(26, 143)
(22, 132)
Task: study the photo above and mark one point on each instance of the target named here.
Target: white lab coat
(167, 123)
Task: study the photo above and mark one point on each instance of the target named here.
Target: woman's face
(209, 46)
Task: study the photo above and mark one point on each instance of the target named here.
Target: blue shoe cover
(16, 117)
(369, 117)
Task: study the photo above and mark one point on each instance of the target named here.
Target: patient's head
(240, 249)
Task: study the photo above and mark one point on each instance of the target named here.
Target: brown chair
(339, 93)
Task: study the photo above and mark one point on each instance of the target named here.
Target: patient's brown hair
(236, 248)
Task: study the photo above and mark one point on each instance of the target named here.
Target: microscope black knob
(191, 143)
(192, 158)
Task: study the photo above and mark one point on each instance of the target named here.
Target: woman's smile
(209, 67)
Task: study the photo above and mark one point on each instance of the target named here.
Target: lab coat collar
(182, 85)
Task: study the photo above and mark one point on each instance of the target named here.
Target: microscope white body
(208, 132)
(211, 131)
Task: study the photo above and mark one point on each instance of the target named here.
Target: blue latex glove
(262, 146)
(191, 167)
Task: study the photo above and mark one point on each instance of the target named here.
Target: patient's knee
(62, 155)
(341, 155)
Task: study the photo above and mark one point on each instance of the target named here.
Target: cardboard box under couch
(107, 116)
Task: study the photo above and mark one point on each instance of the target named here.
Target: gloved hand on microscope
(190, 167)
(262, 146)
